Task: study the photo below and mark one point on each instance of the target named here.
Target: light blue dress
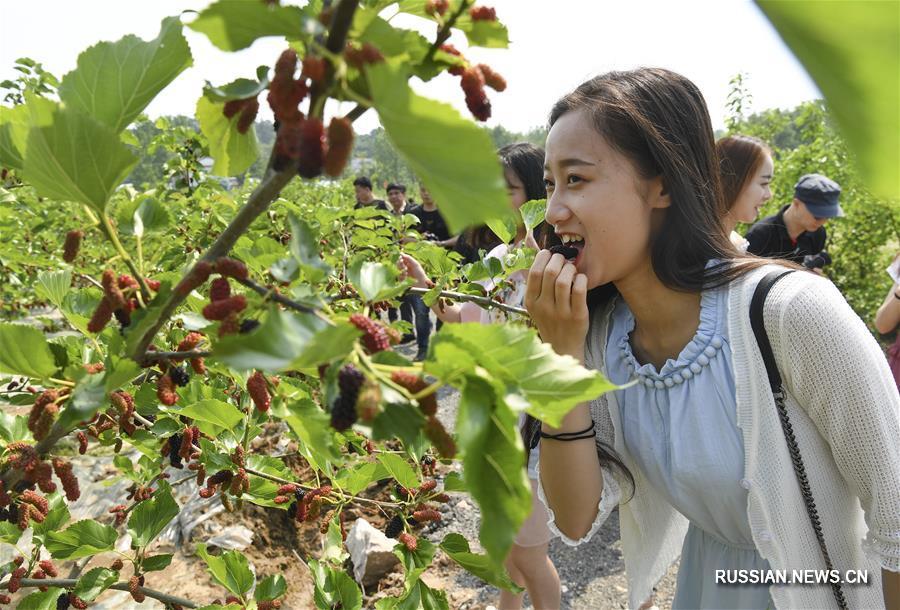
(680, 429)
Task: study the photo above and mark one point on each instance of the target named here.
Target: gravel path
(592, 575)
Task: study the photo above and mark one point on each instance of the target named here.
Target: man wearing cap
(797, 231)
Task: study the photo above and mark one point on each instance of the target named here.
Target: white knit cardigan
(845, 412)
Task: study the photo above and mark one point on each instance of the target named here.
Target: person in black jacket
(797, 231)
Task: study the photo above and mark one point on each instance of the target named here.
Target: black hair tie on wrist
(571, 436)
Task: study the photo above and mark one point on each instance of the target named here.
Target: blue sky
(554, 46)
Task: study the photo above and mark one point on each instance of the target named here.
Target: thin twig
(271, 293)
(190, 354)
(68, 583)
(483, 301)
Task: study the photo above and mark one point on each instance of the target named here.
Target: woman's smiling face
(596, 197)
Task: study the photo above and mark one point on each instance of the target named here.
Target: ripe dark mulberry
(219, 310)
(248, 325)
(340, 145)
(343, 414)
(180, 376)
(374, 336)
(219, 289)
(394, 527)
(230, 267)
(73, 243)
(259, 391)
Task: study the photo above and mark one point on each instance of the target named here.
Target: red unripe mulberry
(409, 541)
(190, 341)
(198, 365)
(312, 148)
(230, 267)
(248, 115)
(48, 568)
(134, 587)
(219, 289)
(197, 276)
(428, 514)
(436, 7)
(259, 391)
(374, 336)
(482, 13)
(472, 84)
(340, 145)
(101, 316)
(232, 107)
(73, 243)
(440, 438)
(82, 442)
(63, 470)
(111, 290)
(313, 68)
(219, 310)
(165, 390)
(491, 78)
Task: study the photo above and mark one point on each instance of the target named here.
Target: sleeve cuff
(885, 553)
(609, 499)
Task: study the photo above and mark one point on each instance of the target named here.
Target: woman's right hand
(556, 298)
(412, 268)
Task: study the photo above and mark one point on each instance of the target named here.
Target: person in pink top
(528, 564)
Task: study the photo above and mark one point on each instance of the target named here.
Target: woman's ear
(659, 193)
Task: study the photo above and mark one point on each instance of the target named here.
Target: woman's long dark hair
(659, 121)
(739, 158)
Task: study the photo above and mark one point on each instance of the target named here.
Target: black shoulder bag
(765, 348)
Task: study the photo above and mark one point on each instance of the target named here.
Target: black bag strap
(765, 348)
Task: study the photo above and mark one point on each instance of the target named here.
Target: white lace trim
(609, 499)
(883, 552)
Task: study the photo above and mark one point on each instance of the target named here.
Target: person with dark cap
(364, 196)
(797, 231)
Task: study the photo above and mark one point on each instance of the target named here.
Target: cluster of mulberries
(307, 504)
(63, 470)
(222, 478)
(343, 412)
(473, 79)
(24, 457)
(165, 390)
(415, 384)
(436, 7)
(240, 483)
(483, 13)
(15, 580)
(247, 107)
(43, 413)
(119, 299)
(375, 338)
(32, 507)
(119, 511)
(139, 493)
(72, 245)
(440, 438)
(258, 389)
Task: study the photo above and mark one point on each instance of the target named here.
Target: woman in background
(745, 167)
